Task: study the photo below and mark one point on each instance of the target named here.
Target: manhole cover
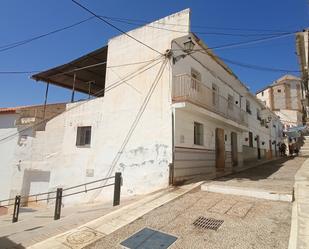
(149, 239)
(207, 223)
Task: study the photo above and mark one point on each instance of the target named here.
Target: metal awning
(89, 72)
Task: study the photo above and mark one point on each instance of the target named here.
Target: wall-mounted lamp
(246, 139)
(278, 144)
(274, 142)
(263, 143)
(188, 45)
(255, 138)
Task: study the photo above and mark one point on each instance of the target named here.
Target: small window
(250, 139)
(83, 137)
(258, 114)
(198, 133)
(279, 90)
(230, 102)
(262, 93)
(215, 94)
(195, 79)
(248, 107)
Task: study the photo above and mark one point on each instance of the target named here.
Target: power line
(23, 42)
(76, 69)
(196, 32)
(105, 89)
(115, 27)
(243, 43)
(195, 26)
(257, 67)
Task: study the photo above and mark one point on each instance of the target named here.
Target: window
(248, 107)
(230, 102)
(83, 137)
(198, 133)
(279, 90)
(262, 93)
(250, 139)
(195, 79)
(215, 96)
(258, 114)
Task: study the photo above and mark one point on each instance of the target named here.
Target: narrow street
(247, 222)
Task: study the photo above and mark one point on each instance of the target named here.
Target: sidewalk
(99, 228)
(36, 225)
(272, 180)
(299, 238)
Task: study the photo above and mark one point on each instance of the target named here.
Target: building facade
(285, 98)
(302, 48)
(163, 116)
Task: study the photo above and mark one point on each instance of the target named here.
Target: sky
(21, 20)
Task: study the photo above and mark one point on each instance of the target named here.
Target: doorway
(234, 149)
(220, 149)
(258, 146)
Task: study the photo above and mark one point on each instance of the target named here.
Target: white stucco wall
(142, 155)
(7, 149)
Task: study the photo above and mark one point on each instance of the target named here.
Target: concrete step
(251, 192)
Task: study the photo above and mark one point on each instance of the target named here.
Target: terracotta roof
(9, 109)
(14, 109)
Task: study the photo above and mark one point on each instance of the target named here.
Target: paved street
(248, 222)
(37, 225)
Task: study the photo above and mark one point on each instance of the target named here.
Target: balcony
(186, 88)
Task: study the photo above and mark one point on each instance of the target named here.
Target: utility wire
(76, 69)
(115, 27)
(257, 67)
(243, 43)
(137, 117)
(195, 26)
(196, 32)
(106, 89)
(23, 42)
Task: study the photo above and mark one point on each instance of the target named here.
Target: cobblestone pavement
(36, 225)
(277, 176)
(248, 222)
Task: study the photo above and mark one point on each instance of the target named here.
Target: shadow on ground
(6, 243)
(254, 173)
(259, 172)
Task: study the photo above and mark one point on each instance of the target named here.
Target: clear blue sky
(20, 20)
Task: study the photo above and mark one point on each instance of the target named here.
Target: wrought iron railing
(62, 193)
(186, 88)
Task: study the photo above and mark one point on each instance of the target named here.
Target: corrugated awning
(89, 70)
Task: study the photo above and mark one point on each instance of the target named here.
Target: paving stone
(222, 206)
(240, 209)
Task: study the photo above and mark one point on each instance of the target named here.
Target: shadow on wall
(6, 243)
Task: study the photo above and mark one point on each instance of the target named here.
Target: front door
(270, 150)
(258, 146)
(234, 149)
(220, 149)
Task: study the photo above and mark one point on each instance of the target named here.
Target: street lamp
(188, 45)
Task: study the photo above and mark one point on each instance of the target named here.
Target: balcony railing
(186, 88)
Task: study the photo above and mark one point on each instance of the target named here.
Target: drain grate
(207, 223)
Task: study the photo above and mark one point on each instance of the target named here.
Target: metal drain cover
(149, 239)
(207, 223)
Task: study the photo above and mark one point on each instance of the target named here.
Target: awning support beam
(73, 88)
(45, 101)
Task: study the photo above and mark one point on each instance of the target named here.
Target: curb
(94, 230)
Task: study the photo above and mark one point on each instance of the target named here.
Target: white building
(159, 119)
(285, 98)
(302, 48)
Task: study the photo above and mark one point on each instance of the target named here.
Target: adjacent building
(302, 48)
(160, 116)
(285, 98)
